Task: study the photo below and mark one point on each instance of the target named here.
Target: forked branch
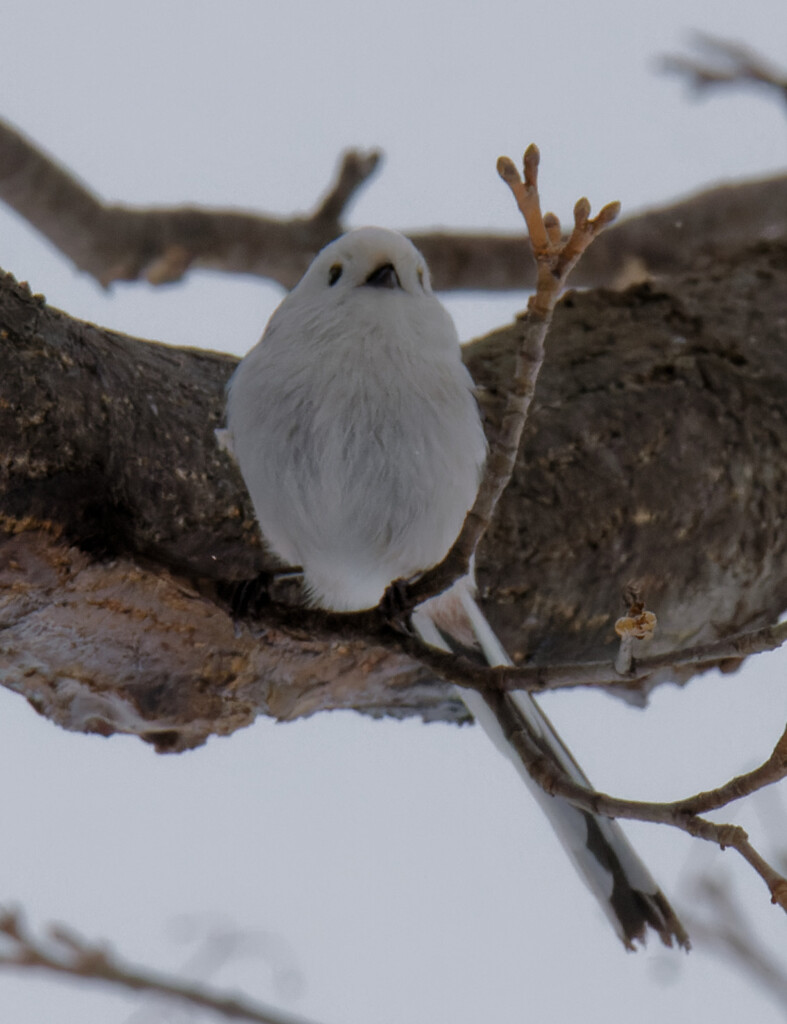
(113, 242)
(683, 814)
(555, 259)
(726, 63)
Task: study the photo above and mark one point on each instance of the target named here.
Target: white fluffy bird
(358, 435)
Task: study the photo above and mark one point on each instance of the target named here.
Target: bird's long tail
(602, 855)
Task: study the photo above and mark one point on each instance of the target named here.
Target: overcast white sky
(385, 872)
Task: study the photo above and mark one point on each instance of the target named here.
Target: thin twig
(554, 262)
(554, 258)
(66, 953)
(680, 814)
(355, 169)
(540, 678)
(770, 771)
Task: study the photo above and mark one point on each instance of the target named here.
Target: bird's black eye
(334, 274)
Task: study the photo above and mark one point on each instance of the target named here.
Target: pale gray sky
(399, 868)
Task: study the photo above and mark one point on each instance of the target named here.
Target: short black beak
(384, 276)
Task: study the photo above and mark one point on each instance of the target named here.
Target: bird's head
(368, 258)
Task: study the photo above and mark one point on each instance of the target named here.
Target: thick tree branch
(62, 952)
(115, 242)
(121, 517)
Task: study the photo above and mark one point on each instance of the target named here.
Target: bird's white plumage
(359, 439)
(361, 448)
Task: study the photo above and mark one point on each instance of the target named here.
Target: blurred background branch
(725, 62)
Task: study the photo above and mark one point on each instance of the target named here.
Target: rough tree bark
(655, 452)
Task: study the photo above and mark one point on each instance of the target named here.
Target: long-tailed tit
(358, 435)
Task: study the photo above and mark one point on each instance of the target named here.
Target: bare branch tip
(552, 227)
(607, 214)
(779, 893)
(355, 168)
(367, 162)
(581, 211)
(506, 168)
(530, 162)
